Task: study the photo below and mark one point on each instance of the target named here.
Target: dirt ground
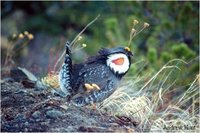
(25, 109)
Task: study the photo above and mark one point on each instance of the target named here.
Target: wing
(95, 96)
(90, 73)
(94, 73)
(93, 70)
(100, 75)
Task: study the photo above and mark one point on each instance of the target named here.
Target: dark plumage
(95, 70)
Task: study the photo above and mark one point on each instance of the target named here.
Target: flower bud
(30, 36)
(26, 33)
(133, 31)
(14, 35)
(84, 45)
(21, 36)
(135, 22)
(146, 25)
(79, 38)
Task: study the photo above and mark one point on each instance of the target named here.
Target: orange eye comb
(118, 61)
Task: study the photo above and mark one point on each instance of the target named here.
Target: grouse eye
(118, 61)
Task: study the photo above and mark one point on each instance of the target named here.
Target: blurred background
(33, 34)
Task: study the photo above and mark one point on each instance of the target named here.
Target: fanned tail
(65, 74)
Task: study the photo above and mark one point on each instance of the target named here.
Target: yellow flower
(135, 22)
(84, 45)
(14, 35)
(79, 38)
(26, 33)
(51, 80)
(21, 36)
(146, 25)
(30, 36)
(133, 31)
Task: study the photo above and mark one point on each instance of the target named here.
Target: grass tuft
(157, 105)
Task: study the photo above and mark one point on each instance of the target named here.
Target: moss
(133, 69)
(152, 42)
(111, 23)
(166, 56)
(183, 51)
(113, 30)
(152, 55)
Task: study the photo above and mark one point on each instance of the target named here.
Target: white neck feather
(118, 68)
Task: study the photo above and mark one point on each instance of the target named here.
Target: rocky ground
(30, 108)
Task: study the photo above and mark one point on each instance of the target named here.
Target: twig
(75, 40)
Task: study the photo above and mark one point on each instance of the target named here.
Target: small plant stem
(132, 35)
(84, 30)
(77, 49)
(73, 41)
(130, 39)
(181, 99)
(21, 46)
(9, 50)
(138, 32)
(7, 54)
(193, 106)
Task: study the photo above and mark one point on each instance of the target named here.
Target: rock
(21, 74)
(26, 123)
(54, 113)
(28, 79)
(32, 110)
(28, 83)
(36, 114)
(20, 117)
(40, 86)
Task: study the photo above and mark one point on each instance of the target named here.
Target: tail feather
(65, 75)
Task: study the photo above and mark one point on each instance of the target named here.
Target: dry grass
(154, 106)
(152, 103)
(14, 44)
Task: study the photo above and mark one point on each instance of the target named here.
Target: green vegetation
(172, 38)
